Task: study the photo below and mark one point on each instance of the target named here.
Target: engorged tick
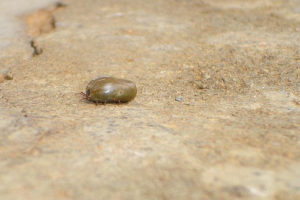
(110, 90)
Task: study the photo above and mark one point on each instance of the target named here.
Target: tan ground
(235, 135)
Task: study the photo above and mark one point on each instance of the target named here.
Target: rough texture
(40, 22)
(235, 135)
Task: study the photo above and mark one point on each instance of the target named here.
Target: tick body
(110, 90)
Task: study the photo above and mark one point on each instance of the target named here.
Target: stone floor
(233, 133)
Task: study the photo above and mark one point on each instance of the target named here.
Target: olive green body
(110, 90)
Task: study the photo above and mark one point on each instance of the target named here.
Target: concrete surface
(234, 135)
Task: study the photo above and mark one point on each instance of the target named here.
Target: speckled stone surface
(235, 135)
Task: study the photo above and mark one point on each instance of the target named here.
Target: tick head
(85, 95)
(88, 92)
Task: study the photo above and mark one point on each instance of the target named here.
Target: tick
(110, 90)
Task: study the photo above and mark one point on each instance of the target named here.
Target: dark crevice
(36, 50)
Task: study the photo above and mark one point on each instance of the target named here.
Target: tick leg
(84, 95)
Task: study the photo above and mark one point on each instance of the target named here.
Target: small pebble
(5, 75)
(179, 98)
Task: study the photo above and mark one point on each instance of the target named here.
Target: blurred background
(216, 114)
